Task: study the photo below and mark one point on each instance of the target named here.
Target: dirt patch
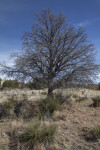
(71, 120)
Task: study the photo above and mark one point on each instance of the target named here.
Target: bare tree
(54, 51)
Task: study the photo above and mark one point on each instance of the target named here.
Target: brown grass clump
(36, 133)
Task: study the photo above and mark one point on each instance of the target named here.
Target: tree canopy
(55, 52)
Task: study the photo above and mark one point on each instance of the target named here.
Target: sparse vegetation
(80, 99)
(97, 130)
(26, 136)
(17, 106)
(75, 96)
(44, 93)
(96, 101)
(10, 103)
(7, 108)
(50, 104)
(92, 135)
(69, 95)
(36, 133)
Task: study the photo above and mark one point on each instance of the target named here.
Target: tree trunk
(50, 91)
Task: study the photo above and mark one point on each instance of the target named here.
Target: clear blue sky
(17, 16)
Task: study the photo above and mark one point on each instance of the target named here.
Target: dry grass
(80, 92)
(74, 121)
(38, 94)
(31, 94)
(97, 130)
(37, 132)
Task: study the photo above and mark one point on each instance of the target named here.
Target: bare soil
(74, 125)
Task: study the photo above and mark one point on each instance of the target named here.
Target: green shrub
(50, 104)
(8, 107)
(80, 99)
(97, 130)
(10, 103)
(37, 84)
(37, 133)
(96, 101)
(10, 84)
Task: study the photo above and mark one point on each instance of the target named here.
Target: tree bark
(50, 91)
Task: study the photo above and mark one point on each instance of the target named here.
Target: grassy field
(37, 94)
